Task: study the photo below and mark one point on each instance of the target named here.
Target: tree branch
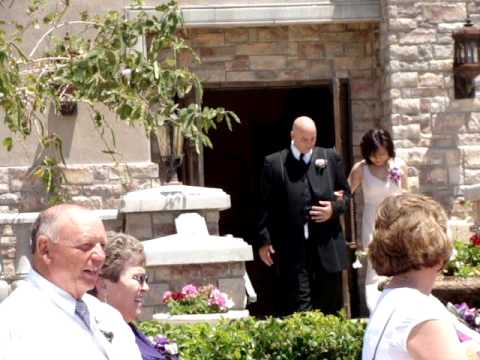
(56, 27)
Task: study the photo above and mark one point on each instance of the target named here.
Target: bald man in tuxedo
(304, 191)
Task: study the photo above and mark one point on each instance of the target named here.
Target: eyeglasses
(141, 278)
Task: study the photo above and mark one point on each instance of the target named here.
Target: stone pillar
(174, 260)
(417, 55)
(151, 213)
(177, 260)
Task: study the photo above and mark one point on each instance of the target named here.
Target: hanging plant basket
(68, 106)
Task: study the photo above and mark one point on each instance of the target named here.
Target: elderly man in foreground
(50, 316)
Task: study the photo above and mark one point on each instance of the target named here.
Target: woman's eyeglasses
(141, 278)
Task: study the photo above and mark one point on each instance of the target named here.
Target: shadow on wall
(437, 167)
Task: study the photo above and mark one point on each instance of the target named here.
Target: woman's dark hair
(373, 140)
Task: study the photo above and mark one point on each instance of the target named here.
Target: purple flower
(395, 174)
(166, 347)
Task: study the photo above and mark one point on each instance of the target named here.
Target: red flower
(176, 295)
(475, 239)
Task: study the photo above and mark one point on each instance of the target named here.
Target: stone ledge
(202, 318)
(177, 249)
(308, 12)
(174, 197)
(29, 217)
(471, 192)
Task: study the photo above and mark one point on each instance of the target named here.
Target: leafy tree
(95, 59)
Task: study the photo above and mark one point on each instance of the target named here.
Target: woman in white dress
(380, 174)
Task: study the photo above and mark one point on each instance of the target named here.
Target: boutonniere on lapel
(108, 334)
(321, 164)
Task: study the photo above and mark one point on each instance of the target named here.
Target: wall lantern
(466, 64)
(68, 105)
(170, 143)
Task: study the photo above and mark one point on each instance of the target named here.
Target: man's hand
(265, 253)
(321, 212)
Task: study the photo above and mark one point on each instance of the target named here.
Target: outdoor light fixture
(466, 64)
(170, 143)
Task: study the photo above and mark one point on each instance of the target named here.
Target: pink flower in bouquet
(167, 296)
(190, 291)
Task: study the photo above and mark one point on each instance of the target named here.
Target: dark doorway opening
(235, 162)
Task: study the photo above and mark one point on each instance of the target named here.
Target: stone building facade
(397, 56)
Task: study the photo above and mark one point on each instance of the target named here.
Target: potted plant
(198, 304)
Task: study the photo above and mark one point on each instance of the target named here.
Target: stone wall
(270, 55)
(437, 135)
(97, 186)
(227, 277)
(297, 53)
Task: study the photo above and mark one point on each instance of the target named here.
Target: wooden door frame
(194, 167)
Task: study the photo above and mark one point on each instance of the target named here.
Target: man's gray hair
(48, 223)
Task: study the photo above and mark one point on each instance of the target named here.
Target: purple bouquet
(468, 315)
(167, 348)
(395, 175)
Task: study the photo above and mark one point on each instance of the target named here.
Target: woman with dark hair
(410, 244)
(123, 284)
(380, 174)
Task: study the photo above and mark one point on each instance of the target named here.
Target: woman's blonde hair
(410, 234)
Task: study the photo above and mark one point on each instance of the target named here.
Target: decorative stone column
(21, 225)
(426, 120)
(151, 213)
(174, 260)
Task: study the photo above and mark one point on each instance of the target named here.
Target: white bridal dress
(374, 191)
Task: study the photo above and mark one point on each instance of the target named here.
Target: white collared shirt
(38, 321)
(306, 158)
(296, 153)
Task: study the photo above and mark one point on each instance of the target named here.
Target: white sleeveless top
(411, 308)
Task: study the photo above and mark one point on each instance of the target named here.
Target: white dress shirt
(38, 321)
(306, 159)
(296, 153)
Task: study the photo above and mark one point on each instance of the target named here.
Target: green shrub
(302, 336)
(466, 263)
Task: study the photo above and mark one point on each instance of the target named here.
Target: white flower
(171, 348)
(357, 264)
(453, 256)
(321, 163)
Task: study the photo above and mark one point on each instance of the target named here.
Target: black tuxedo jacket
(282, 218)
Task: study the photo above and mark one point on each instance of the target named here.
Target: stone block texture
(228, 277)
(433, 132)
(97, 186)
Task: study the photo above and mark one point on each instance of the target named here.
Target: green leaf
(8, 143)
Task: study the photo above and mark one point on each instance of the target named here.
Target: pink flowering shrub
(197, 300)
